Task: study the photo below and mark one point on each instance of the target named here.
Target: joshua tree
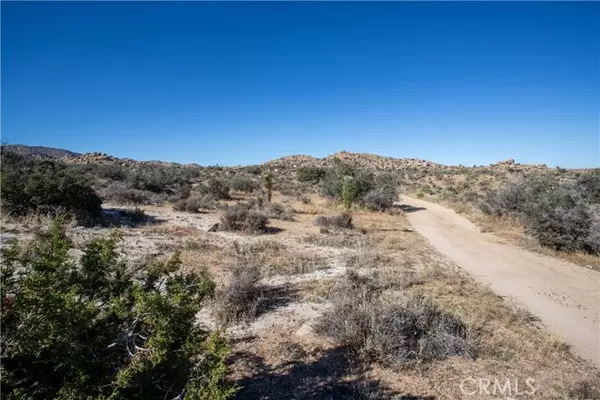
(268, 178)
(348, 191)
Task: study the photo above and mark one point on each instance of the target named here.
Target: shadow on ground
(274, 297)
(119, 217)
(408, 208)
(332, 376)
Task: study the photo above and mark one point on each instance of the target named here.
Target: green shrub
(310, 174)
(46, 187)
(93, 330)
(333, 182)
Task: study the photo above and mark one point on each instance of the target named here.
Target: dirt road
(564, 296)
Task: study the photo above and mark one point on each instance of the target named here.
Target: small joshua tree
(268, 179)
(348, 191)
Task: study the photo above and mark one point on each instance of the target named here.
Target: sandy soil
(565, 297)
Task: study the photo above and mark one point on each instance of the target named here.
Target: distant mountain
(40, 151)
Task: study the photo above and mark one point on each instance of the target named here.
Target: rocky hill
(288, 163)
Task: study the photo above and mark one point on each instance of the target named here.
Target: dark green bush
(310, 174)
(46, 187)
(333, 182)
(92, 330)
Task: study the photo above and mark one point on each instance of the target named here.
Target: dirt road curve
(564, 296)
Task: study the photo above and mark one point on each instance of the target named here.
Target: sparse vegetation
(392, 333)
(341, 221)
(240, 298)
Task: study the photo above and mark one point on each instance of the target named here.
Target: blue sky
(242, 83)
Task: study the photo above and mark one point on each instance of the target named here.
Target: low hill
(40, 151)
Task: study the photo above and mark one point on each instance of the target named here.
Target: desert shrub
(393, 334)
(155, 178)
(243, 184)
(310, 174)
(305, 199)
(559, 220)
(92, 330)
(420, 195)
(560, 215)
(121, 193)
(240, 298)
(278, 211)
(112, 172)
(45, 187)
(254, 169)
(333, 181)
(241, 217)
(341, 221)
(381, 198)
(218, 189)
(191, 205)
(589, 186)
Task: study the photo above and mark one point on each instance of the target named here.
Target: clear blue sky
(240, 83)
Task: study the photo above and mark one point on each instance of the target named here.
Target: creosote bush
(32, 186)
(393, 334)
(91, 329)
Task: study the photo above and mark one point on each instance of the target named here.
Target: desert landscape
(299, 200)
(353, 276)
